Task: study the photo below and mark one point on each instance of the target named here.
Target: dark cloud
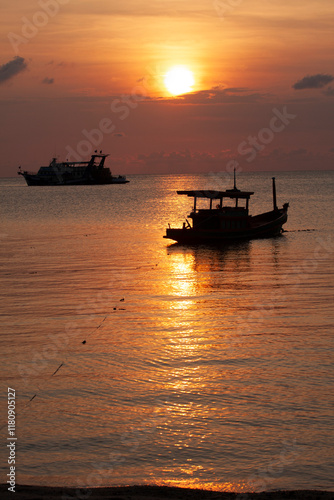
(48, 81)
(119, 134)
(12, 68)
(313, 82)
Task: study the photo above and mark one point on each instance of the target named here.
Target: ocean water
(136, 361)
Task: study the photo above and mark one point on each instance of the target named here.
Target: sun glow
(179, 80)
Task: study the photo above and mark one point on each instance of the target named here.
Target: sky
(80, 75)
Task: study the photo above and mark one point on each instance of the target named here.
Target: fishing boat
(220, 223)
(73, 173)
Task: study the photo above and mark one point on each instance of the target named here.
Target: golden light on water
(183, 285)
(179, 80)
(194, 483)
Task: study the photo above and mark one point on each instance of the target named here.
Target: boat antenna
(235, 186)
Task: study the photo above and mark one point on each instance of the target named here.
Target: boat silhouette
(73, 173)
(219, 223)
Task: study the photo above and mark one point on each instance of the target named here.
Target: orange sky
(68, 67)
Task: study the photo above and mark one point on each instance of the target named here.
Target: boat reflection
(213, 265)
(231, 264)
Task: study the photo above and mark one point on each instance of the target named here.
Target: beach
(158, 493)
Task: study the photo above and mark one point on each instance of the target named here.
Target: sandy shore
(152, 493)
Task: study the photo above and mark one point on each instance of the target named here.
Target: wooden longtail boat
(219, 223)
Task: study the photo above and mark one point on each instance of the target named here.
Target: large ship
(73, 173)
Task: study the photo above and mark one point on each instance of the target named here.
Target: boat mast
(274, 194)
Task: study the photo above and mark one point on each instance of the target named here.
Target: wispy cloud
(48, 81)
(12, 68)
(141, 8)
(195, 161)
(313, 82)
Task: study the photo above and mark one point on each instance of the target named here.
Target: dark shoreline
(153, 493)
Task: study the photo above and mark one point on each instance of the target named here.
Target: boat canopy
(218, 195)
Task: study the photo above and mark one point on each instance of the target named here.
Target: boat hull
(35, 180)
(261, 226)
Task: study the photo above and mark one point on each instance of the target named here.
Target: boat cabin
(219, 215)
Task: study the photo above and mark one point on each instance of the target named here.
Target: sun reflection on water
(196, 484)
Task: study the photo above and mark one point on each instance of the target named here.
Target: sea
(132, 360)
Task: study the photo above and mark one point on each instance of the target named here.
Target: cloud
(119, 134)
(218, 95)
(141, 8)
(60, 64)
(48, 81)
(185, 161)
(12, 68)
(313, 82)
(216, 164)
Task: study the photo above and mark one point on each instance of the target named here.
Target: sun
(179, 80)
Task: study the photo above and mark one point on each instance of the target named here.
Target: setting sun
(179, 80)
